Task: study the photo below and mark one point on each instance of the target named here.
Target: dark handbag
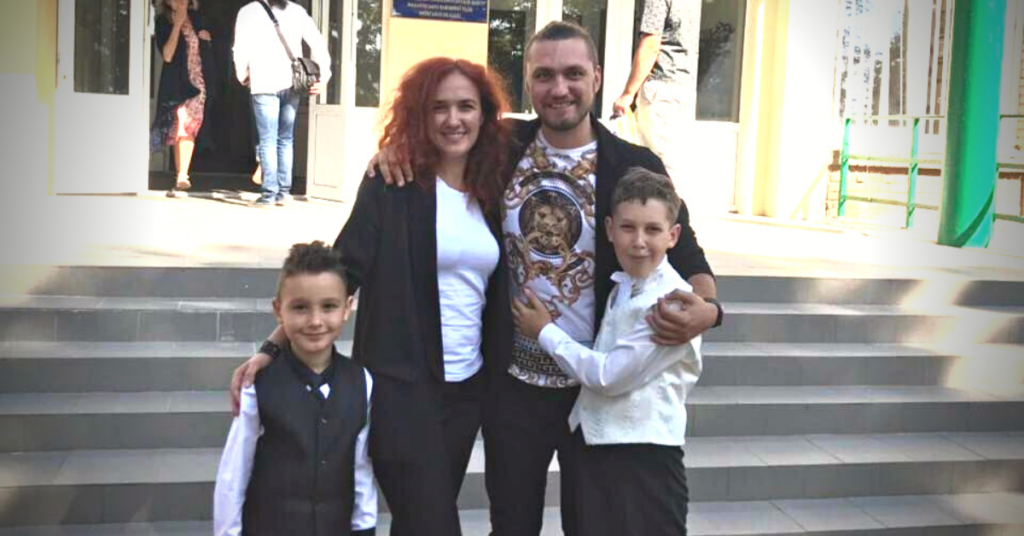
(305, 72)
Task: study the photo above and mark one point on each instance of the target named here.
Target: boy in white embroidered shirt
(630, 417)
(296, 459)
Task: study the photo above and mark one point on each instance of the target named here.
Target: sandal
(182, 183)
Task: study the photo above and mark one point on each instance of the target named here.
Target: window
(893, 59)
(719, 60)
(511, 23)
(719, 57)
(592, 15)
(102, 33)
(368, 45)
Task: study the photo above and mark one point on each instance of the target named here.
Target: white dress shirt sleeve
(364, 512)
(631, 363)
(236, 467)
(317, 48)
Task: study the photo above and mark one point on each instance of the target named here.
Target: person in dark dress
(185, 82)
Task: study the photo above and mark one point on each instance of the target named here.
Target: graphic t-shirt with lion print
(549, 232)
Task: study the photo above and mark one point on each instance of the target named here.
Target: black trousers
(625, 490)
(523, 427)
(422, 496)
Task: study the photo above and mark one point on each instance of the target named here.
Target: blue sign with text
(454, 10)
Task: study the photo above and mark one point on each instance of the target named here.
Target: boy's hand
(393, 166)
(680, 316)
(530, 317)
(244, 376)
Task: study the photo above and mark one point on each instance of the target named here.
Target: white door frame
(101, 140)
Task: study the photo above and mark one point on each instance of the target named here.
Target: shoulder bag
(305, 72)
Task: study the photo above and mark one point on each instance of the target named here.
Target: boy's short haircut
(560, 31)
(313, 258)
(639, 184)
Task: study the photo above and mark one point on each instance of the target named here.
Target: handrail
(892, 117)
(914, 163)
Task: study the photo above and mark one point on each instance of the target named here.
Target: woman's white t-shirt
(467, 254)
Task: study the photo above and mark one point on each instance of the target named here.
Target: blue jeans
(275, 126)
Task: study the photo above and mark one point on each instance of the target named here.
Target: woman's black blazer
(389, 246)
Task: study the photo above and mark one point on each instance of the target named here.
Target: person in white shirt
(262, 63)
(296, 459)
(630, 417)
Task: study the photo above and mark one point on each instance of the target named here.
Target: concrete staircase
(827, 406)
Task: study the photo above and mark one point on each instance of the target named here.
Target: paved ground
(152, 230)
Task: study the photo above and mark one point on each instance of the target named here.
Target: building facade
(776, 79)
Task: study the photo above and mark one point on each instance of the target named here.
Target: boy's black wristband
(372, 531)
(718, 305)
(270, 348)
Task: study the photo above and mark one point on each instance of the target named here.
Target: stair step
(127, 319)
(953, 290)
(57, 318)
(71, 421)
(249, 282)
(828, 323)
(176, 484)
(69, 367)
(73, 367)
(911, 364)
(946, 515)
(176, 465)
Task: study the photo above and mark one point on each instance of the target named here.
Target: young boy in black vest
(630, 416)
(296, 457)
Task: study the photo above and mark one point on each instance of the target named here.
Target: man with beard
(566, 154)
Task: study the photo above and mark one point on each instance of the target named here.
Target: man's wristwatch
(718, 305)
(271, 348)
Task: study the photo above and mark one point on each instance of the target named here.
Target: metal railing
(913, 162)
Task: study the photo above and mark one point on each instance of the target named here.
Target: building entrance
(227, 162)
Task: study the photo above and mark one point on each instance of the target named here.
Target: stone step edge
(199, 465)
(181, 305)
(10, 350)
(863, 515)
(157, 281)
(155, 402)
(80, 304)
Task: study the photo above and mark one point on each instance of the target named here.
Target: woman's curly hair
(408, 119)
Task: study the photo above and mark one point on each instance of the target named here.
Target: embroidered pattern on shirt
(552, 200)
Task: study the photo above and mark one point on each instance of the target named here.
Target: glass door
(715, 135)
(100, 106)
(325, 171)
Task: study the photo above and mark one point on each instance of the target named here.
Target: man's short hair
(313, 259)
(560, 31)
(639, 184)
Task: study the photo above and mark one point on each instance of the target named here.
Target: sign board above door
(450, 10)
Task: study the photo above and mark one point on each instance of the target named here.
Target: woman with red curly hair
(433, 289)
(428, 262)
